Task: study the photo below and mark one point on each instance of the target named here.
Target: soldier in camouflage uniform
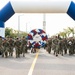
(60, 44)
(74, 46)
(55, 43)
(65, 45)
(1, 47)
(60, 50)
(49, 43)
(71, 45)
(18, 47)
(23, 46)
(11, 45)
(5, 48)
(61, 47)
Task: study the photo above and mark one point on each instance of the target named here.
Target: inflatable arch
(13, 7)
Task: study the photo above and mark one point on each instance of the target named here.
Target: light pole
(44, 22)
(19, 24)
(27, 26)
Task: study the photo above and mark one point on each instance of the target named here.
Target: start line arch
(13, 7)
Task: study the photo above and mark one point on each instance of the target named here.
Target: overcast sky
(54, 22)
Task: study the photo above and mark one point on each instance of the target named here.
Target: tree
(8, 31)
(14, 33)
(71, 31)
(63, 34)
(67, 31)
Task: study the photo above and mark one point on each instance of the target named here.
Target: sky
(55, 22)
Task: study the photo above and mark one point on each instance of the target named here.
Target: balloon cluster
(37, 37)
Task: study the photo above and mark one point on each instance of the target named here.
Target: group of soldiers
(61, 45)
(56, 43)
(7, 46)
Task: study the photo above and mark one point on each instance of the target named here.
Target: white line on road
(33, 64)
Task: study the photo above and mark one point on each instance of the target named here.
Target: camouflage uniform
(11, 45)
(74, 46)
(1, 47)
(70, 46)
(23, 46)
(65, 45)
(17, 47)
(49, 43)
(61, 47)
(5, 48)
(55, 43)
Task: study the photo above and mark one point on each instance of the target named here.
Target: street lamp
(19, 24)
(27, 26)
(44, 22)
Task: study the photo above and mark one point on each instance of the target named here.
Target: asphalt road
(40, 63)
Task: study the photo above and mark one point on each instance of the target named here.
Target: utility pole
(27, 26)
(44, 22)
(19, 24)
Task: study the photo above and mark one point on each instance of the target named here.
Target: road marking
(33, 64)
